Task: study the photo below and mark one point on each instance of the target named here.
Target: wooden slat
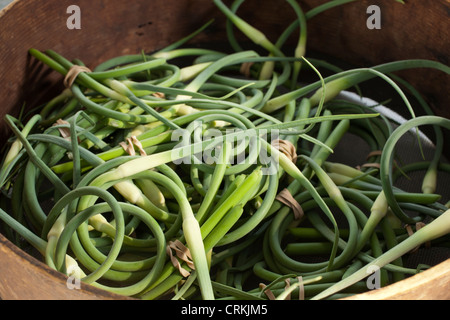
(432, 284)
(23, 277)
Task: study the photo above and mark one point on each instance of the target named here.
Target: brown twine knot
(73, 73)
(160, 95)
(287, 148)
(371, 164)
(268, 292)
(410, 232)
(301, 289)
(245, 68)
(65, 132)
(287, 199)
(129, 147)
(181, 252)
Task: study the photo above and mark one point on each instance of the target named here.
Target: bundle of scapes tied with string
(211, 179)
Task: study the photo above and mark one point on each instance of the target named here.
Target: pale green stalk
(335, 194)
(194, 240)
(152, 192)
(196, 84)
(126, 70)
(190, 226)
(123, 90)
(387, 159)
(190, 72)
(286, 293)
(290, 168)
(437, 228)
(135, 195)
(378, 211)
(177, 53)
(151, 161)
(37, 242)
(350, 172)
(217, 178)
(52, 239)
(242, 192)
(251, 32)
(429, 182)
(41, 245)
(13, 154)
(300, 49)
(346, 79)
(186, 286)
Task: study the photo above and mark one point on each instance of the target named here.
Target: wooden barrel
(415, 30)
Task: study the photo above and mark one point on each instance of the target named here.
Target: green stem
(438, 228)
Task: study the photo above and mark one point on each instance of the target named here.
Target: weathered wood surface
(23, 277)
(432, 284)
